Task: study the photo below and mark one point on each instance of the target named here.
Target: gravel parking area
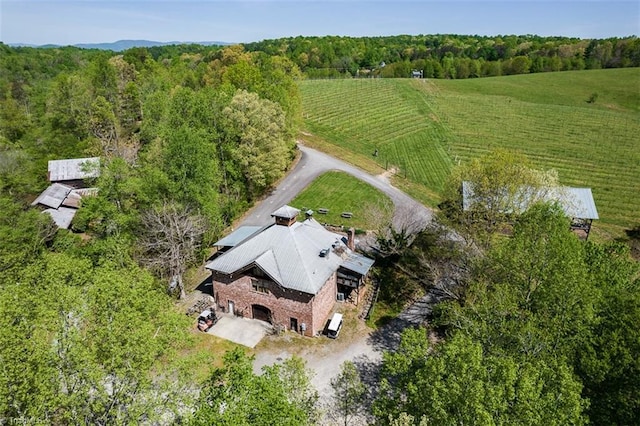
(357, 343)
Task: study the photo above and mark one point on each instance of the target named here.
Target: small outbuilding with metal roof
(63, 197)
(577, 203)
(73, 171)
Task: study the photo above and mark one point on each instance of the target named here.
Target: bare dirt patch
(386, 175)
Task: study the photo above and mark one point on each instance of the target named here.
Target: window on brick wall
(259, 286)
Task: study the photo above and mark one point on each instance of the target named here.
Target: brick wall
(283, 303)
(323, 303)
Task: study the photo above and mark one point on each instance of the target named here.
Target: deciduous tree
(348, 393)
(608, 362)
(170, 239)
(455, 382)
(79, 345)
(235, 396)
(499, 186)
(256, 136)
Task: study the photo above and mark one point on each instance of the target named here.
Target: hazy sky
(91, 21)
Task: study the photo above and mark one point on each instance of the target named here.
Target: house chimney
(351, 241)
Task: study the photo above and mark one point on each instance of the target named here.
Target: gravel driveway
(357, 342)
(312, 164)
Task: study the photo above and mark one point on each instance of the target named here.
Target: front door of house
(231, 307)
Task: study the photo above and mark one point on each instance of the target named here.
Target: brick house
(289, 273)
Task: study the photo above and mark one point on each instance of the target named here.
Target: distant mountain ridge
(121, 45)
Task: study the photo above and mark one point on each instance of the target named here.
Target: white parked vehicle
(334, 326)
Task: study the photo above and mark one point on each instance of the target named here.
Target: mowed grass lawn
(339, 192)
(425, 127)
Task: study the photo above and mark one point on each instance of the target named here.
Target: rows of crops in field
(425, 127)
(588, 146)
(385, 116)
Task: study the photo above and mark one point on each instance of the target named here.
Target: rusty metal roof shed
(53, 196)
(76, 195)
(73, 169)
(62, 216)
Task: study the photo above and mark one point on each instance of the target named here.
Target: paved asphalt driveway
(312, 164)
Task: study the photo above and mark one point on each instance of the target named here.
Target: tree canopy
(533, 318)
(449, 55)
(88, 333)
(234, 395)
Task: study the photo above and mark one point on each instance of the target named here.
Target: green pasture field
(339, 192)
(424, 127)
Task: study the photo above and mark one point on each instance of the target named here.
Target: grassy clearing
(339, 192)
(382, 314)
(425, 127)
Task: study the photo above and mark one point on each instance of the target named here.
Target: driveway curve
(312, 164)
(365, 346)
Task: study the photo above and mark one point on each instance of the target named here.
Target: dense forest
(535, 328)
(190, 126)
(187, 139)
(449, 56)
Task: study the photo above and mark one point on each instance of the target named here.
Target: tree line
(449, 55)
